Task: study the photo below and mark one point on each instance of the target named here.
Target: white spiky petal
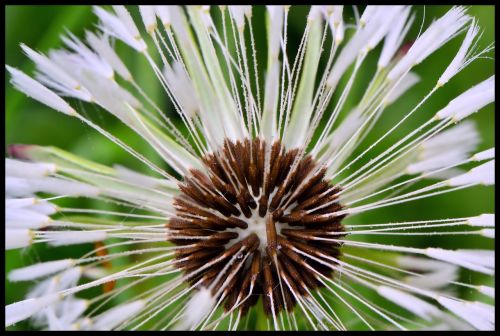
(477, 260)
(121, 26)
(485, 155)
(439, 32)
(37, 91)
(470, 101)
(487, 220)
(490, 291)
(28, 170)
(197, 308)
(478, 314)
(164, 14)
(483, 174)
(74, 237)
(18, 238)
(117, 315)
(40, 270)
(25, 219)
(419, 307)
(101, 45)
(461, 56)
(148, 15)
(23, 309)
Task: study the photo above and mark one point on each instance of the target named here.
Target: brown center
(241, 225)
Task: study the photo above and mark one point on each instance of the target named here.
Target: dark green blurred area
(29, 122)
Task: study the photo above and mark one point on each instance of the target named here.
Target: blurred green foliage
(32, 123)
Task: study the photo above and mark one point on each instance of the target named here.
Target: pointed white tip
(39, 92)
(488, 233)
(60, 238)
(479, 315)
(409, 302)
(116, 316)
(18, 238)
(487, 290)
(487, 220)
(197, 309)
(484, 155)
(483, 174)
(22, 310)
(40, 270)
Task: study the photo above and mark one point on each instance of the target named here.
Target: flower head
(254, 208)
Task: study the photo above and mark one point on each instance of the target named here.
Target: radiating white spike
(206, 18)
(43, 207)
(125, 17)
(37, 91)
(274, 30)
(434, 280)
(182, 88)
(18, 238)
(391, 13)
(60, 238)
(17, 187)
(480, 317)
(434, 274)
(477, 260)
(339, 33)
(367, 15)
(148, 15)
(197, 308)
(82, 324)
(406, 83)
(446, 149)
(487, 290)
(69, 278)
(15, 203)
(82, 58)
(48, 67)
(25, 219)
(437, 34)
(461, 56)
(363, 40)
(238, 13)
(487, 220)
(19, 168)
(40, 270)
(337, 14)
(484, 155)
(268, 126)
(163, 13)
(31, 204)
(470, 101)
(115, 316)
(103, 89)
(71, 309)
(20, 187)
(483, 174)
(488, 233)
(143, 180)
(276, 14)
(22, 310)
(394, 38)
(121, 27)
(419, 264)
(103, 48)
(410, 302)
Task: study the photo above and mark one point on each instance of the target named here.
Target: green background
(29, 122)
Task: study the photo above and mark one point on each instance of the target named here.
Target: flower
(258, 212)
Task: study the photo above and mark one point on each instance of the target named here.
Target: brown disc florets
(240, 225)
